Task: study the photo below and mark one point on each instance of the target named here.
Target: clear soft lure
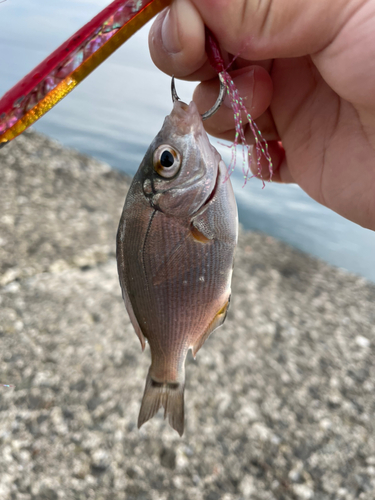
(261, 146)
(68, 65)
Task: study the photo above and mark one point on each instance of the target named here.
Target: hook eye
(217, 104)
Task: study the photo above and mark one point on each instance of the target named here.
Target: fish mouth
(185, 118)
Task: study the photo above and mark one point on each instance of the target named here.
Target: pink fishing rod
(68, 65)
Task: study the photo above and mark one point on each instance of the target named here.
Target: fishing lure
(261, 147)
(68, 65)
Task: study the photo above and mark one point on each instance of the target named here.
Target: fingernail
(169, 33)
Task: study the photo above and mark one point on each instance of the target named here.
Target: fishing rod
(72, 62)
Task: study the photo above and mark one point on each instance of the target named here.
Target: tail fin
(168, 395)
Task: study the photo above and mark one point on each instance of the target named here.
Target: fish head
(180, 169)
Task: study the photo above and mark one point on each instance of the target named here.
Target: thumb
(268, 29)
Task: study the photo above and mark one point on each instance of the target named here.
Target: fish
(175, 251)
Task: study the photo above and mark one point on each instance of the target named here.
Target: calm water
(116, 112)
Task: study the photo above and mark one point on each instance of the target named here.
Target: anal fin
(132, 317)
(215, 323)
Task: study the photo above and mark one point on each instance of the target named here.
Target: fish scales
(175, 250)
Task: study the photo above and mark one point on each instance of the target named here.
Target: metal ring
(214, 108)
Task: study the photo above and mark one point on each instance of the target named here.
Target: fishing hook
(214, 108)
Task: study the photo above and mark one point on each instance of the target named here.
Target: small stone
(47, 493)
(12, 287)
(168, 458)
(362, 341)
(247, 487)
(325, 423)
(342, 492)
(100, 461)
(9, 276)
(58, 266)
(303, 491)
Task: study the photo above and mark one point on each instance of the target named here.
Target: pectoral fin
(199, 236)
(215, 323)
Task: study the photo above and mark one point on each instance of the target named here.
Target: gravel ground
(279, 403)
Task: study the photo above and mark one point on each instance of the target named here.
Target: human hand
(307, 73)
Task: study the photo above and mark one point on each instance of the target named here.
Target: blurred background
(116, 112)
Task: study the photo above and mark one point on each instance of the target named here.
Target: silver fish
(175, 249)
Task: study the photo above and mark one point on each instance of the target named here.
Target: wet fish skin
(175, 249)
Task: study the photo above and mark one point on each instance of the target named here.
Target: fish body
(175, 250)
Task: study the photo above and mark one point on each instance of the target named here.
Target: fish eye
(167, 161)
